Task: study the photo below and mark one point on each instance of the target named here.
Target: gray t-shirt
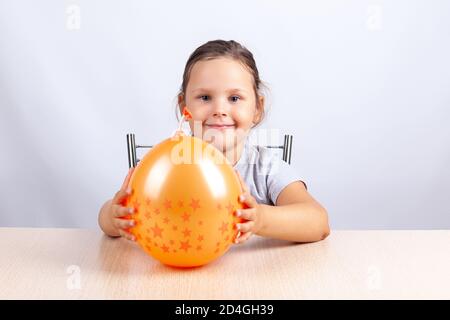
(265, 173)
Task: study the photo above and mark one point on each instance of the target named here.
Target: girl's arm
(296, 216)
(105, 221)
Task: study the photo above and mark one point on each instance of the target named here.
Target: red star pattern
(184, 245)
(230, 207)
(168, 247)
(223, 228)
(167, 204)
(157, 232)
(195, 204)
(187, 232)
(165, 248)
(136, 205)
(185, 217)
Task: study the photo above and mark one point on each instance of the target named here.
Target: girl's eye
(235, 98)
(204, 97)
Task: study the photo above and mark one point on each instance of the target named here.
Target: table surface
(81, 263)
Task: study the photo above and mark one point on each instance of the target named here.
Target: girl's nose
(220, 109)
(219, 113)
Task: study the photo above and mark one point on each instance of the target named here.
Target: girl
(221, 87)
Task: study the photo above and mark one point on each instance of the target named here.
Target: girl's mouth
(220, 127)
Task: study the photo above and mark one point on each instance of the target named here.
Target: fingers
(120, 197)
(248, 200)
(245, 227)
(123, 223)
(123, 193)
(119, 211)
(126, 235)
(243, 237)
(127, 179)
(245, 230)
(247, 214)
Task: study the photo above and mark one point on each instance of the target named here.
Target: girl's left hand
(250, 214)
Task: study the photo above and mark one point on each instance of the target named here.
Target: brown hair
(218, 49)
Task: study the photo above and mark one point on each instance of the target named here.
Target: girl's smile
(219, 126)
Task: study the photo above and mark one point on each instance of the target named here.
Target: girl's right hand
(118, 212)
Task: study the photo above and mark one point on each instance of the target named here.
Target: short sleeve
(280, 175)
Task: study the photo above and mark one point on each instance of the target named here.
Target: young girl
(221, 87)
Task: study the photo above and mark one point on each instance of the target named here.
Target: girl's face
(222, 101)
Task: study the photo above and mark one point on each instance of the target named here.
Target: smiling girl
(222, 88)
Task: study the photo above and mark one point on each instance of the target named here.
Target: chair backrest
(133, 160)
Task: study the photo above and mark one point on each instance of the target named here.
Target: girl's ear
(259, 110)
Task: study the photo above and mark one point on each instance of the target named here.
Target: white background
(364, 87)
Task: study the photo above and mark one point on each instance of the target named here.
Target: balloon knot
(186, 113)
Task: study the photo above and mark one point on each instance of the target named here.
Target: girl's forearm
(299, 222)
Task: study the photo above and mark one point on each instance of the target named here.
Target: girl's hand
(250, 213)
(119, 213)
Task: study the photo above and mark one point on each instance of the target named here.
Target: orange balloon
(185, 193)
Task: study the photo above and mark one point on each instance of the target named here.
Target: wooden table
(80, 263)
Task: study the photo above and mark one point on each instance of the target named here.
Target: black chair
(133, 160)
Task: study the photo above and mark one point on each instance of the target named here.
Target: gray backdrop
(362, 85)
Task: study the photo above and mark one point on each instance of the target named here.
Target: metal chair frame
(133, 160)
